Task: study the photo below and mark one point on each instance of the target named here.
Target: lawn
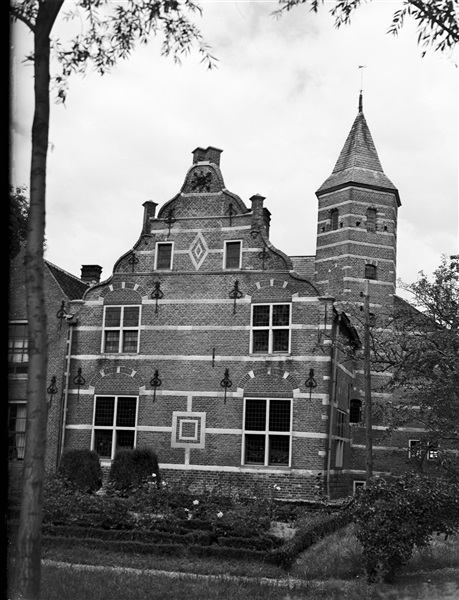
(330, 570)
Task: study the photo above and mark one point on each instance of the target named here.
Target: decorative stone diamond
(198, 250)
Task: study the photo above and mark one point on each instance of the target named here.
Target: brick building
(223, 354)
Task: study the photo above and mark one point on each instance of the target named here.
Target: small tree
(17, 218)
(109, 31)
(82, 468)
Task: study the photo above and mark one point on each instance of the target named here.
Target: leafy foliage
(394, 516)
(82, 467)
(437, 22)
(131, 467)
(18, 215)
(110, 31)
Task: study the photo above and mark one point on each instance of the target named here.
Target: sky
(280, 105)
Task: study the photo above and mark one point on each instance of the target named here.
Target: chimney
(91, 273)
(211, 154)
(261, 217)
(149, 213)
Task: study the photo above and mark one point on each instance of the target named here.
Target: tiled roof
(72, 287)
(358, 161)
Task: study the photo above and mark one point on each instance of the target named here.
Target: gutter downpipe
(63, 419)
(333, 388)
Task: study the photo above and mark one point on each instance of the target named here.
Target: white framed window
(417, 449)
(18, 347)
(267, 438)
(114, 424)
(340, 433)
(17, 412)
(270, 329)
(164, 256)
(232, 256)
(121, 329)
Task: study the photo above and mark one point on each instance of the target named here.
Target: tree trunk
(28, 555)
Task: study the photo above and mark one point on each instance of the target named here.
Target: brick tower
(357, 223)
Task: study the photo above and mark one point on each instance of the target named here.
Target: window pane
(260, 341)
(279, 415)
(164, 256)
(233, 254)
(124, 439)
(16, 430)
(18, 343)
(112, 341)
(280, 340)
(130, 341)
(281, 315)
(112, 316)
(260, 316)
(131, 316)
(255, 415)
(255, 449)
(125, 414)
(355, 411)
(105, 409)
(278, 449)
(103, 442)
(370, 272)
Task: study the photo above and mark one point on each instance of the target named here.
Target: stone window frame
(270, 328)
(267, 432)
(121, 328)
(225, 255)
(114, 427)
(171, 262)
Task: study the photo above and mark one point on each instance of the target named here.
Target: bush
(395, 515)
(81, 467)
(130, 468)
(307, 534)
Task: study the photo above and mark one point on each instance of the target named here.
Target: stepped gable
(358, 163)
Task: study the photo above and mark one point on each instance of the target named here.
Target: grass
(330, 570)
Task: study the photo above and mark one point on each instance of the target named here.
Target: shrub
(308, 533)
(131, 467)
(395, 515)
(82, 467)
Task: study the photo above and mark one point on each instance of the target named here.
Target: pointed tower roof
(358, 163)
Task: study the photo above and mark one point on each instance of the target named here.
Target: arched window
(355, 411)
(334, 216)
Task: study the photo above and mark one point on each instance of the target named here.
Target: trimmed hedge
(307, 535)
(131, 467)
(81, 467)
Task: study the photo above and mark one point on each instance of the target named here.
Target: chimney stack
(149, 213)
(261, 216)
(211, 154)
(91, 273)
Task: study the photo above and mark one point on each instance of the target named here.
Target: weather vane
(361, 67)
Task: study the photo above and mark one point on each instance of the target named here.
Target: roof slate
(358, 161)
(72, 287)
